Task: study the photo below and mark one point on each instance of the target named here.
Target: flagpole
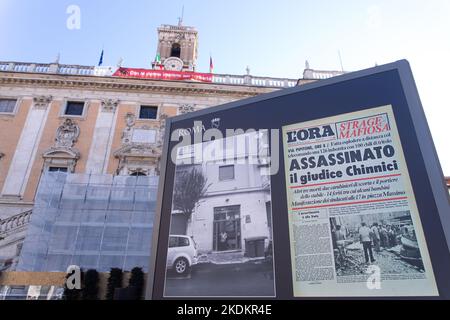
(100, 62)
(211, 64)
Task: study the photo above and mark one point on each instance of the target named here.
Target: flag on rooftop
(100, 62)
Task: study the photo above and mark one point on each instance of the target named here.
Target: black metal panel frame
(390, 84)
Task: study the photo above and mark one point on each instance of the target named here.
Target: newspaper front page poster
(354, 225)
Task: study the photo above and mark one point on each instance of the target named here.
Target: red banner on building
(162, 75)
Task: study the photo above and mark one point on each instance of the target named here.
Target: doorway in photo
(227, 228)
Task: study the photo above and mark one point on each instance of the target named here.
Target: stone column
(99, 154)
(23, 159)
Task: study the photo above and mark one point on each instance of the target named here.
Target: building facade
(234, 212)
(101, 120)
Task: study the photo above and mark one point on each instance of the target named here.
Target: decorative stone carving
(67, 134)
(61, 157)
(110, 105)
(136, 156)
(42, 102)
(130, 119)
(139, 171)
(63, 154)
(144, 134)
(186, 108)
(137, 150)
(179, 37)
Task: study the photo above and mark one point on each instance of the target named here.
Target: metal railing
(249, 80)
(310, 74)
(64, 69)
(176, 28)
(46, 68)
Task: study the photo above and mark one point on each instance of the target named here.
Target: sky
(273, 38)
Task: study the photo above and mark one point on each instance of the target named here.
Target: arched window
(176, 50)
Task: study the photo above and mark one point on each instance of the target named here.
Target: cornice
(121, 84)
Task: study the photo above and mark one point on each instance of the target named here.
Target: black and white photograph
(386, 240)
(220, 242)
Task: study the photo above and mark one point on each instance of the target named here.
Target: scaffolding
(92, 221)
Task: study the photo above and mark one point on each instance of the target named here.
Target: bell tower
(177, 47)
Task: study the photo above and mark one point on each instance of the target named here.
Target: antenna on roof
(180, 20)
(340, 60)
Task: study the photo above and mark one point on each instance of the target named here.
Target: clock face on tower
(173, 64)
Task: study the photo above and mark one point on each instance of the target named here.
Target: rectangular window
(226, 173)
(148, 112)
(175, 242)
(57, 169)
(74, 108)
(7, 105)
(183, 242)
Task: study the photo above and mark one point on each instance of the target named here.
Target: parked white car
(182, 254)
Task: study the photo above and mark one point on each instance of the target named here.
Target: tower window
(176, 50)
(148, 112)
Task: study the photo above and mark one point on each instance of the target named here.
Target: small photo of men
(387, 240)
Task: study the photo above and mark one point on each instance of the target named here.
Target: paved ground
(239, 279)
(390, 263)
(226, 258)
(387, 259)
